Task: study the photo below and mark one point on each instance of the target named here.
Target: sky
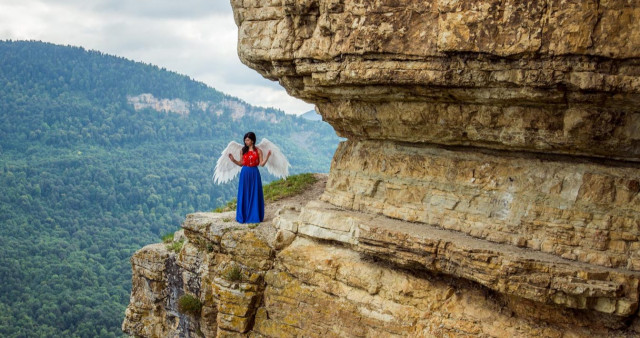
(196, 38)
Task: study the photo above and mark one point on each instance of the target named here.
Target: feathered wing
(277, 165)
(225, 169)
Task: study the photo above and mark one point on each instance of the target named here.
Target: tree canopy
(87, 179)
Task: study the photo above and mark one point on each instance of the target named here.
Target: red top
(251, 158)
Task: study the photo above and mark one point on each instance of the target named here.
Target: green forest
(87, 179)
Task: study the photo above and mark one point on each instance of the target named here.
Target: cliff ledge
(489, 185)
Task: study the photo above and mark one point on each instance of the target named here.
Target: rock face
(553, 76)
(238, 110)
(489, 185)
(433, 283)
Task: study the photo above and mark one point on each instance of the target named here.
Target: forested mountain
(312, 115)
(100, 156)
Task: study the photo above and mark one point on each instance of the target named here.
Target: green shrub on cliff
(278, 189)
(231, 205)
(168, 238)
(189, 304)
(234, 274)
(176, 246)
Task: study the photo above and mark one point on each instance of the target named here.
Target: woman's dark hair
(252, 137)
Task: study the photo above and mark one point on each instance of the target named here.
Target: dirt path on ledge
(266, 230)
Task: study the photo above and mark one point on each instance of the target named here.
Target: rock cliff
(489, 185)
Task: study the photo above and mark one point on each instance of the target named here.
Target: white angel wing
(225, 169)
(277, 165)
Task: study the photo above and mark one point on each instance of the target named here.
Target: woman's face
(248, 142)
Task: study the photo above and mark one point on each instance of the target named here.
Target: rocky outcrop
(489, 185)
(386, 278)
(148, 101)
(553, 76)
(573, 208)
(220, 264)
(235, 108)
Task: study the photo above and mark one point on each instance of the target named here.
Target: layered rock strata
(217, 264)
(300, 282)
(489, 186)
(555, 76)
(574, 208)
(503, 268)
(514, 122)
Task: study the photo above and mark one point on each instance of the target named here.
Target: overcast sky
(192, 37)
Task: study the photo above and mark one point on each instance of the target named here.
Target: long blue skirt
(250, 207)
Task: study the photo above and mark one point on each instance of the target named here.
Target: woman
(250, 207)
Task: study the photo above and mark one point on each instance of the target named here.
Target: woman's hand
(264, 161)
(234, 160)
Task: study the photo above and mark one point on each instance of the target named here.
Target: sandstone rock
(332, 292)
(156, 286)
(503, 268)
(284, 238)
(283, 222)
(489, 186)
(320, 289)
(586, 210)
(247, 249)
(495, 74)
(209, 226)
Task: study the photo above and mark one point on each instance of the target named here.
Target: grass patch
(170, 244)
(278, 189)
(175, 246)
(233, 274)
(168, 238)
(252, 225)
(231, 205)
(189, 304)
(282, 188)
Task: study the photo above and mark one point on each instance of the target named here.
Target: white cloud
(192, 37)
(268, 97)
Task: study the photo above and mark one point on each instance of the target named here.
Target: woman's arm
(262, 163)
(239, 163)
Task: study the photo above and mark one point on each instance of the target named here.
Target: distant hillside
(312, 115)
(99, 156)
